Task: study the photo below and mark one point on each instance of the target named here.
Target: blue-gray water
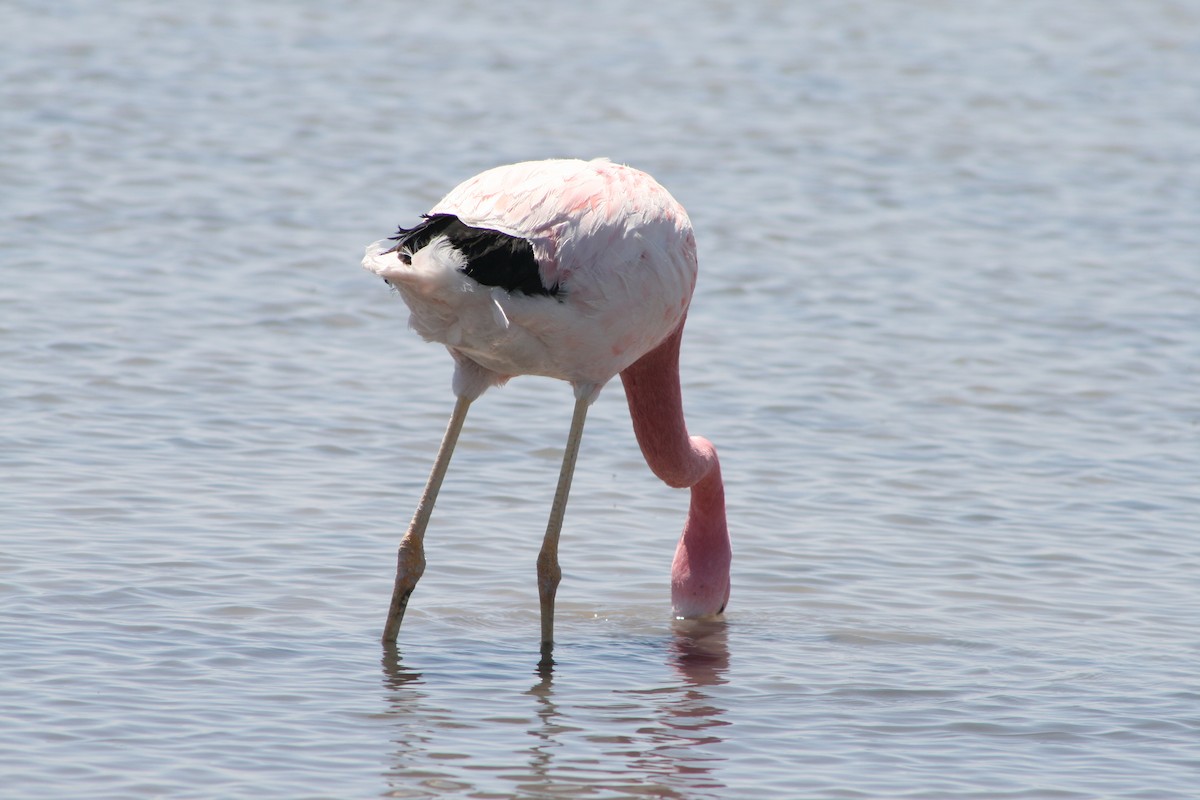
(946, 337)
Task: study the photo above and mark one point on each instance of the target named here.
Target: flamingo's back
(615, 269)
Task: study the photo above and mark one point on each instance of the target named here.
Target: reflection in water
(665, 741)
(701, 650)
(585, 733)
(396, 676)
(547, 733)
(415, 773)
(687, 745)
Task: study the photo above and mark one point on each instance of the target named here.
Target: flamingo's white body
(606, 292)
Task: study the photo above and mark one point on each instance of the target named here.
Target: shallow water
(946, 338)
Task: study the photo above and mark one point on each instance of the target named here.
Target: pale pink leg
(549, 573)
(410, 560)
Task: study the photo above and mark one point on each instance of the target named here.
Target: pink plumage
(615, 241)
(577, 270)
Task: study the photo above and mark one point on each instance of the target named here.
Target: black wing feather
(493, 258)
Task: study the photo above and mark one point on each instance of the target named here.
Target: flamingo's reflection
(672, 748)
(700, 651)
(416, 720)
(661, 741)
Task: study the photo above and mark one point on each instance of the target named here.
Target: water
(946, 338)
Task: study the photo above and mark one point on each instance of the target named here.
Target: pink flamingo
(578, 270)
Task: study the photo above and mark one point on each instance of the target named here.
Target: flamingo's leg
(410, 560)
(549, 573)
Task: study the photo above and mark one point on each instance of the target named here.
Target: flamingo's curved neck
(700, 571)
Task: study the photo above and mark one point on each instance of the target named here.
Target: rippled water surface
(947, 338)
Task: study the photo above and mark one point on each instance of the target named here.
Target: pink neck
(700, 571)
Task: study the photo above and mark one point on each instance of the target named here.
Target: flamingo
(576, 270)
